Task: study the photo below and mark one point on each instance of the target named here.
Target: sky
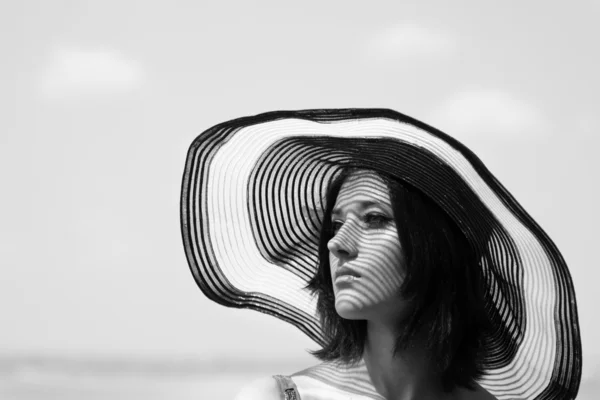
(101, 100)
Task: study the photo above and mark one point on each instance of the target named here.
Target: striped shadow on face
(365, 254)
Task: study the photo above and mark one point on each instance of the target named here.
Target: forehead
(363, 186)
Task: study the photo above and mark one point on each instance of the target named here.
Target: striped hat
(252, 205)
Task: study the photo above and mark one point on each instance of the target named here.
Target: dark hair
(444, 287)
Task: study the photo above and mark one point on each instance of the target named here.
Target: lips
(347, 272)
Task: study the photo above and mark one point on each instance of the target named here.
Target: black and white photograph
(299, 200)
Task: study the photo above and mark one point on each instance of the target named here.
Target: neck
(407, 375)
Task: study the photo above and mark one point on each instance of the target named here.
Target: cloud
(489, 114)
(410, 40)
(75, 72)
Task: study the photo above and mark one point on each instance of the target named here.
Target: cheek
(385, 265)
(332, 264)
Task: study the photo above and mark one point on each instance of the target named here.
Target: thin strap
(287, 387)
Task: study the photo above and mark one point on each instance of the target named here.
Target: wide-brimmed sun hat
(252, 205)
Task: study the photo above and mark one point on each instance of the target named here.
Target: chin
(348, 309)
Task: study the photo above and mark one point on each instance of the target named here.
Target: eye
(376, 220)
(335, 226)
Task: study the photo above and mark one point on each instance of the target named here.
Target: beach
(214, 387)
(87, 380)
(42, 378)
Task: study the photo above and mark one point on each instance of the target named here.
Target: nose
(343, 243)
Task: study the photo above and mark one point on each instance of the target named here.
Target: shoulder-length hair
(443, 285)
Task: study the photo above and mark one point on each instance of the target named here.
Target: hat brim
(251, 207)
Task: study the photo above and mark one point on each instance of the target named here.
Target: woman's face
(364, 254)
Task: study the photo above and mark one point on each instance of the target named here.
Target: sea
(45, 378)
(107, 378)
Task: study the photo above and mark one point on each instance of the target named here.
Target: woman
(392, 246)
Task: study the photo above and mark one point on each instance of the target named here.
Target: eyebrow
(364, 204)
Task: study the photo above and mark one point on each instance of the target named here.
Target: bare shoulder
(484, 394)
(478, 394)
(261, 389)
